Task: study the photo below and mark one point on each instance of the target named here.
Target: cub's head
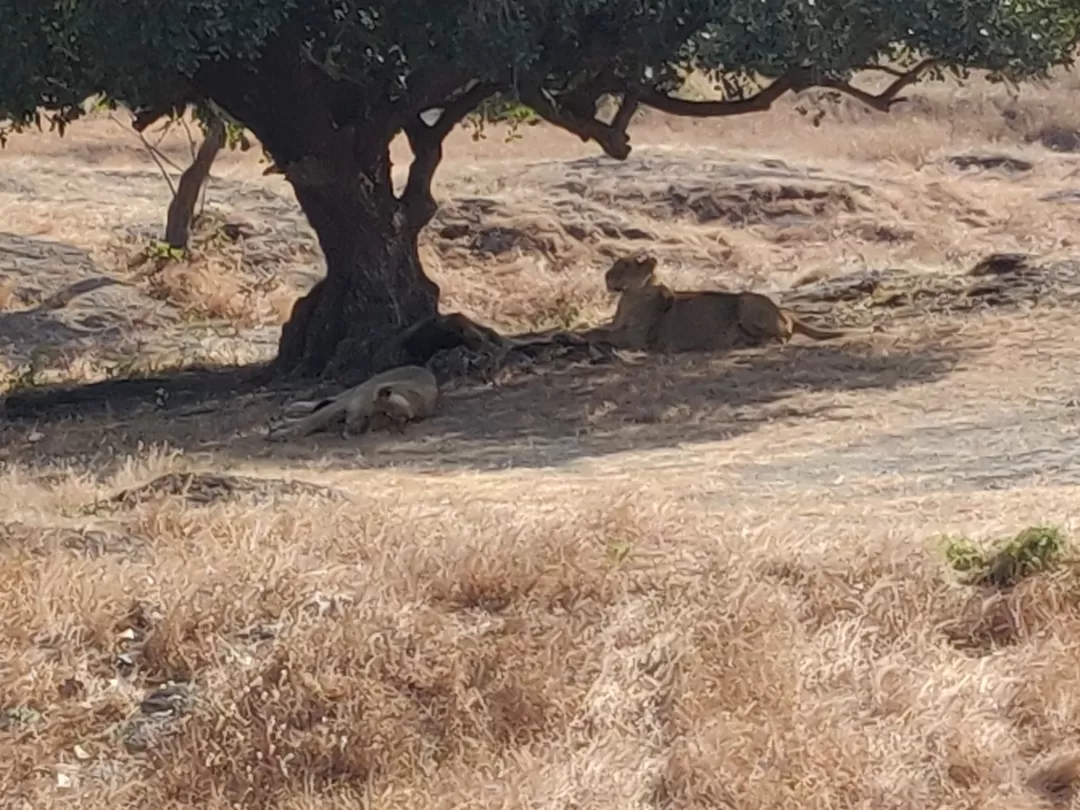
(630, 272)
(392, 403)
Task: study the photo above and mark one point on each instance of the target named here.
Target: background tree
(218, 132)
(181, 213)
(327, 84)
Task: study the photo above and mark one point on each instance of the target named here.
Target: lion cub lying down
(651, 316)
(400, 395)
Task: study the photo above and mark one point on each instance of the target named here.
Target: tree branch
(576, 119)
(884, 100)
(430, 87)
(300, 113)
(143, 119)
(426, 140)
(575, 112)
(631, 100)
(794, 80)
(881, 69)
(180, 95)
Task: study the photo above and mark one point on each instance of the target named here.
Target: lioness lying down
(651, 316)
(401, 395)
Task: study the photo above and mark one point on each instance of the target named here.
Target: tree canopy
(327, 84)
(401, 56)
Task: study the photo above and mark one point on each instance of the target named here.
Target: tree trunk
(331, 139)
(182, 208)
(374, 286)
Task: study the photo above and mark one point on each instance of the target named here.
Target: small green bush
(1033, 550)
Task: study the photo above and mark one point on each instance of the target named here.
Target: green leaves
(59, 52)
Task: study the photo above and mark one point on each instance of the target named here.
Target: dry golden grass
(209, 289)
(681, 583)
(618, 652)
(215, 278)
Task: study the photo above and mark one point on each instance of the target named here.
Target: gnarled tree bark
(333, 147)
(374, 285)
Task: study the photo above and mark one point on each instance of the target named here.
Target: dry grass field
(769, 579)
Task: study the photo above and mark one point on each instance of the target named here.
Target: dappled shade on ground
(564, 410)
(538, 417)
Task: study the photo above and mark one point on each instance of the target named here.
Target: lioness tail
(803, 328)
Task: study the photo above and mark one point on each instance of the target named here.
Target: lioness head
(630, 272)
(391, 402)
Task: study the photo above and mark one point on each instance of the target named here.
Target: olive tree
(327, 84)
